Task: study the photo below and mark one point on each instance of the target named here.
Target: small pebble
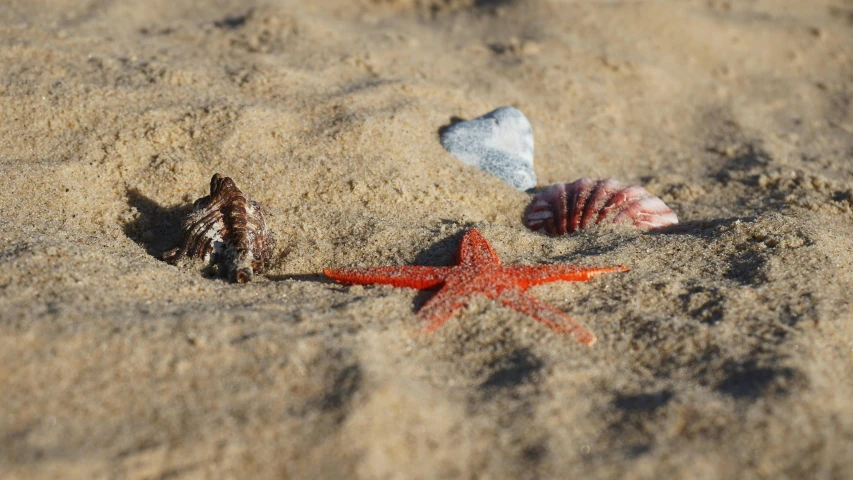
(500, 142)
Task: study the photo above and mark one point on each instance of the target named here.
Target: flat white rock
(500, 142)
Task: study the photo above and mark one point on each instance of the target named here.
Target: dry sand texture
(728, 349)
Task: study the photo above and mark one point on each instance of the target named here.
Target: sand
(725, 352)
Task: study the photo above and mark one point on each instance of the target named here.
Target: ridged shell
(565, 208)
(227, 230)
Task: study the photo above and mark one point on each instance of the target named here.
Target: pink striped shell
(565, 208)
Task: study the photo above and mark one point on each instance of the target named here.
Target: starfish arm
(406, 276)
(475, 249)
(442, 306)
(546, 314)
(528, 276)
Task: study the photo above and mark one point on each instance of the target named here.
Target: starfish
(478, 272)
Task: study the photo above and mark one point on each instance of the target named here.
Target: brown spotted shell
(565, 208)
(227, 230)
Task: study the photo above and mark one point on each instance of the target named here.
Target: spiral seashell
(227, 230)
(565, 208)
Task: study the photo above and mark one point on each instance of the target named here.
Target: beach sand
(726, 351)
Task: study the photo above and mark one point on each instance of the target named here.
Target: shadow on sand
(157, 228)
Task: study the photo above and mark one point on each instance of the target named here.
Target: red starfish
(478, 271)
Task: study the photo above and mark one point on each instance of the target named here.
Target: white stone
(500, 142)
